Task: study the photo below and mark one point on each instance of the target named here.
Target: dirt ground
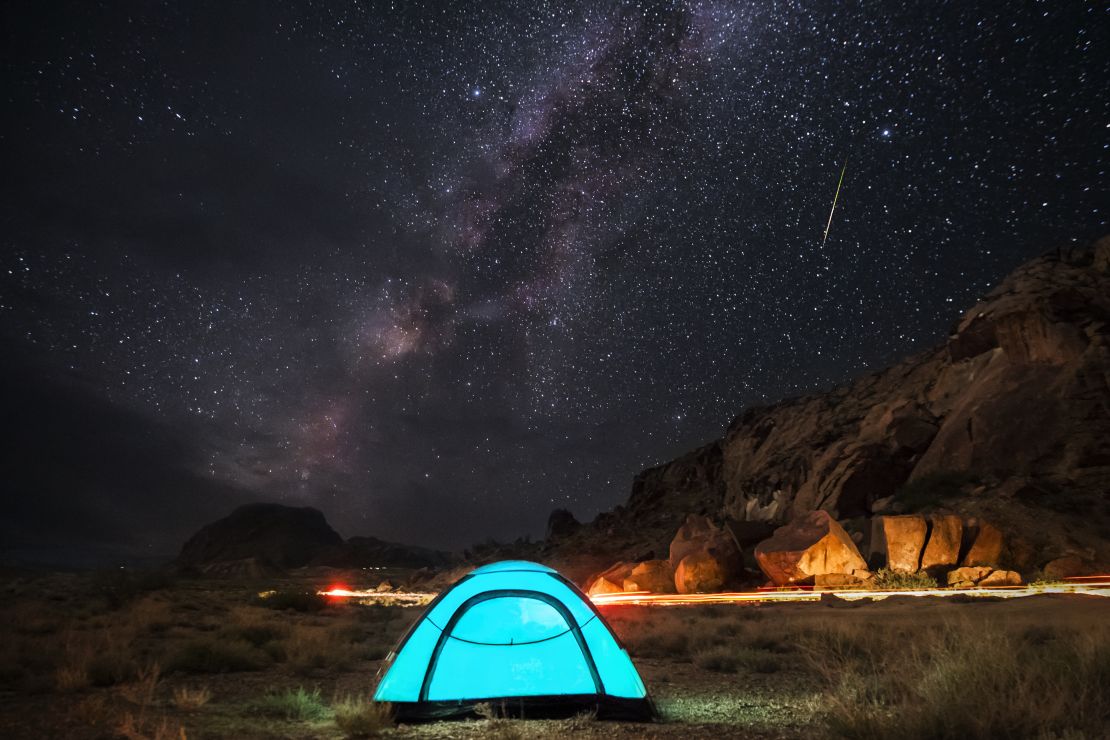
(100, 656)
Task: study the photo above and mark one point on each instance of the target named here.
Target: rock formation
(1009, 420)
(262, 540)
(281, 536)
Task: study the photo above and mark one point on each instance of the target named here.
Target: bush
(298, 704)
(118, 587)
(887, 580)
(189, 700)
(358, 717)
(208, 655)
(300, 601)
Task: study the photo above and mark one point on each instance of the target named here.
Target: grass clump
(730, 659)
(360, 717)
(210, 655)
(296, 704)
(886, 580)
(189, 699)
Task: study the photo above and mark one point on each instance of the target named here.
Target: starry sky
(438, 268)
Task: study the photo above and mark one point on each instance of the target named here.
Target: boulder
(604, 586)
(654, 576)
(699, 572)
(967, 576)
(1068, 566)
(986, 546)
(839, 580)
(609, 581)
(810, 545)
(943, 547)
(1000, 578)
(699, 534)
(897, 542)
(281, 536)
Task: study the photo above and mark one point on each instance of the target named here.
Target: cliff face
(1010, 418)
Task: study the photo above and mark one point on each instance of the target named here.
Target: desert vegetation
(155, 659)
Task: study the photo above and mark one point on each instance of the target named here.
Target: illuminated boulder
(610, 581)
(897, 542)
(1000, 578)
(700, 572)
(986, 546)
(811, 545)
(967, 576)
(943, 548)
(654, 576)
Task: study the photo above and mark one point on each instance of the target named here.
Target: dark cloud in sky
(440, 268)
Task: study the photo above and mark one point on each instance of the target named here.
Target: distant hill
(265, 539)
(1009, 419)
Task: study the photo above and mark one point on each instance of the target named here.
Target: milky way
(439, 269)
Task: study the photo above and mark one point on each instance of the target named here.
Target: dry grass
(954, 681)
(360, 717)
(298, 704)
(190, 699)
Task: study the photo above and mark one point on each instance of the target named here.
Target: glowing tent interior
(519, 636)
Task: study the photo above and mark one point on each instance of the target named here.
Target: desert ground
(139, 655)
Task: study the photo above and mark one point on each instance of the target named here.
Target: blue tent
(518, 636)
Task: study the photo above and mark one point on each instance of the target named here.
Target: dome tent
(516, 635)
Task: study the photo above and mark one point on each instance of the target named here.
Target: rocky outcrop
(811, 545)
(1020, 392)
(282, 536)
(561, 523)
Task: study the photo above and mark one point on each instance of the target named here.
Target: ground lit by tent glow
(1089, 585)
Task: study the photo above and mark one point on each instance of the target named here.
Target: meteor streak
(835, 197)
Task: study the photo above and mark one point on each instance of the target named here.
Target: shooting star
(835, 198)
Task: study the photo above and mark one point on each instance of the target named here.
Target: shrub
(118, 587)
(297, 704)
(208, 655)
(300, 601)
(110, 668)
(189, 699)
(887, 580)
(359, 717)
(719, 659)
(71, 677)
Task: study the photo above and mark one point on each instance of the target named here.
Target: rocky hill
(1008, 420)
(262, 540)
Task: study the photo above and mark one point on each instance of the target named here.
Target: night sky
(439, 268)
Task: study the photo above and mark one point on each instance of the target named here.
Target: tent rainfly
(516, 635)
